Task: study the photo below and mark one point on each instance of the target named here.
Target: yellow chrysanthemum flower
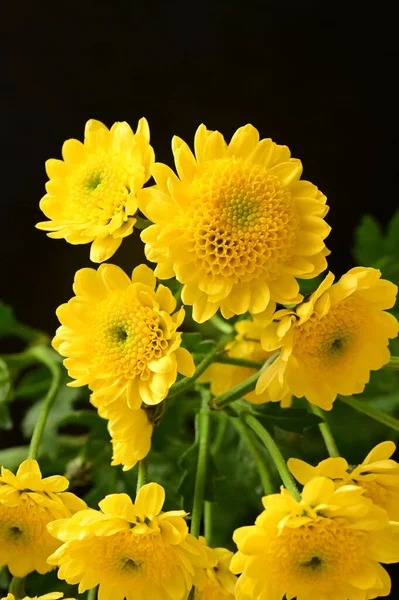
(92, 193)
(237, 226)
(328, 546)
(217, 582)
(378, 475)
(130, 432)
(51, 596)
(330, 343)
(121, 337)
(246, 345)
(130, 550)
(27, 504)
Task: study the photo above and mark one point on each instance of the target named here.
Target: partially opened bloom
(51, 596)
(378, 475)
(130, 550)
(130, 431)
(217, 582)
(328, 546)
(246, 345)
(330, 343)
(92, 194)
(120, 336)
(27, 504)
(236, 226)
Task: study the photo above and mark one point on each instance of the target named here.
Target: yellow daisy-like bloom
(330, 343)
(237, 226)
(378, 475)
(245, 345)
(27, 504)
(328, 546)
(130, 550)
(121, 337)
(92, 194)
(217, 582)
(51, 596)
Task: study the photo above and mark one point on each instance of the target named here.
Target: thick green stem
(325, 431)
(203, 433)
(41, 353)
(188, 382)
(274, 452)
(241, 389)
(247, 437)
(17, 588)
(92, 594)
(363, 407)
(393, 363)
(142, 474)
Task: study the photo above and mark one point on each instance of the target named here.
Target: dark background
(319, 77)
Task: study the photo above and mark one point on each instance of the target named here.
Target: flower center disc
(241, 221)
(127, 335)
(326, 342)
(98, 189)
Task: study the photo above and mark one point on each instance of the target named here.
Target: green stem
(208, 522)
(220, 433)
(203, 433)
(274, 452)
(245, 434)
(241, 389)
(188, 382)
(219, 323)
(17, 588)
(238, 362)
(41, 353)
(142, 474)
(325, 431)
(363, 407)
(92, 594)
(393, 363)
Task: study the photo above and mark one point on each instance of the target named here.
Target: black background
(317, 76)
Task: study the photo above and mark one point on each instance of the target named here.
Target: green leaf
(392, 237)
(10, 326)
(194, 343)
(5, 383)
(5, 418)
(63, 405)
(289, 419)
(11, 458)
(369, 241)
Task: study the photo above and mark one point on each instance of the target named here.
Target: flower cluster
(236, 226)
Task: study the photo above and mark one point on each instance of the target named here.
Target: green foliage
(375, 248)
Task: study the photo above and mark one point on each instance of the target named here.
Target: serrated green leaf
(369, 241)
